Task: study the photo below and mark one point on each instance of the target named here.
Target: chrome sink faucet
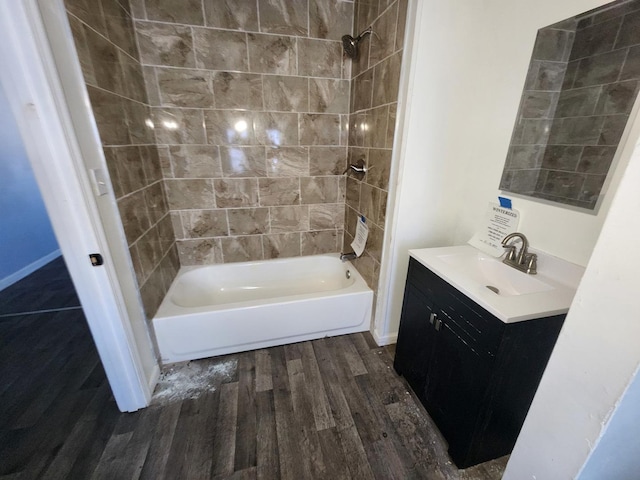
(524, 261)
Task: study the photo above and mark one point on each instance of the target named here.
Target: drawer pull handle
(438, 324)
(432, 317)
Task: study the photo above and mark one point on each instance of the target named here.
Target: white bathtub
(219, 309)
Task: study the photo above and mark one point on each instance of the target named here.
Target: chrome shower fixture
(350, 44)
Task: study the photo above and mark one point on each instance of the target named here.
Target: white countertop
(561, 276)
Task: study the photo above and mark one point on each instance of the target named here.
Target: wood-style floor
(328, 409)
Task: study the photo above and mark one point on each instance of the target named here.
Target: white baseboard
(29, 269)
(382, 340)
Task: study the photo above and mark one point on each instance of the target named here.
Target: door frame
(31, 82)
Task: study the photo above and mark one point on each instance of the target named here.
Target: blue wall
(26, 236)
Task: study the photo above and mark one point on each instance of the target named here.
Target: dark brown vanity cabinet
(475, 374)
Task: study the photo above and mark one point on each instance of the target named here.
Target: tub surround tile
(152, 293)
(232, 14)
(330, 19)
(164, 44)
(319, 189)
(379, 168)
(328, 95)
(320, 129)
(176, 222)
(126, 169)
(383, 44)
(241, 249)
(376, 132)
(236, 192)
(203, 223)
(200, 252)
(617, 98)
(272, 54)
(186, 12)
(353, 193)
(285, 93)
(316, 243)
(138, 10)
(287, 161)
(137, 117)
(327, 160)
(279, 191)
(290, 218)
(220, 50)
(559, 157)
(629, 31)
(287, 18)
(596, 160)
(276, 128)
(164, 158)
(82, 47)
(195, 161)
(133, 213)
(177, 126)
(386, 80)
(612, 129)
(185, 88)
(631, 69)
(375, 241)
(240, 161)
(106, 70)
(326, 216)
(600, 69)
(155, 202)
(151, 85)
(108, 110)
(281, 245)
(248, 221)
(319, 58)
(133, 78)
(237, 90)
(166, 234)
(595, 39)
(88, 12)
(149, 252)
(187, 193)
(403, 5)
(120, 27)
(230, 127)
(369, 201)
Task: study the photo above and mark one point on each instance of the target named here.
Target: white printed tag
(362, 232)
(499, 223)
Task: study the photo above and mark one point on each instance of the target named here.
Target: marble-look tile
(330, 19)
(391, 124)
(166, 233)
(369, 201)
(596, 160)
(379, 168)
(195, 161)
(612, 129)
(236, 192)
(126, 169)
(361, 91)
(248, 221)
(133, 78)
(353, 193)
(164, 157)
(286, 94)
(546, 76)
(238, 90)
(328, 95)
(176, 223)
(576, 102)
(292, 218)
(162, 44)
(227, 127)
(631, 69)
(137, 118)
(375, 241)
(316, 243)
(272, 54)
(342, 188)
(350, 221)
(137, 267)
(376, 131)
(199, 252)
(617, 98)
(88, 12)
(185, 88)
(106, 68)
(327, 216)
(629, 31)
(575, 131)
(538, 104)
(383, 44)
(272, 128)
(204, 223)
(536, 131)
(189, 193)
(154, 199)
(120, 27)
(108, 111)
(152, 293)
(402, 23)
(327, 160)
(526, 156)
(553, 44)
(287, 18)
(382, 208)
(367, 267)
(281, 245)
(320, 129)
(386, 80)
(82, 48)
(319, 58)
(169, 267)
(138, 10)
(287, 161)
(367, 11)
(241, 249)
(134, 216)
(151, 85)
(179, 126)
(232, 14)
(358, 126)
(600, 69)
(279, 191)
(243, 161)
(149, 252)
(319, 189)
(188, 12)
(563, 184)
(220, 49)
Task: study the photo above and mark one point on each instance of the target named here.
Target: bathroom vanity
(475, 361)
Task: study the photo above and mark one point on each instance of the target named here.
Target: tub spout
(348, 256)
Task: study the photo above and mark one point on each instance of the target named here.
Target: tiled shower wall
(372, 119)
(250, 102)
(108, 53)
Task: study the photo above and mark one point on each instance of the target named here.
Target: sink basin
(495, 275)
(507, 293)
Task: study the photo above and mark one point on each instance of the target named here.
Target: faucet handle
(532, 264)
(511, 252)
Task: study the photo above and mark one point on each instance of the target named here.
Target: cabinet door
(415, 339)
(455, 389)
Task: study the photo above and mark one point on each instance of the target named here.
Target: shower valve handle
(358, 167)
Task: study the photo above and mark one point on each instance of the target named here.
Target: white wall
(26, 237)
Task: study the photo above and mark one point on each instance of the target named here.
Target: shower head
(350, 44)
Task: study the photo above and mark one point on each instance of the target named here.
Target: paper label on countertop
(362, 232)
(499, 222)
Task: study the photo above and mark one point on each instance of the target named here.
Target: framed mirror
(581, 86)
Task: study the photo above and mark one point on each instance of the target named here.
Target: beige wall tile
(315, 243)
(330, 19)
(237, 90)
(185, 88)
(242, 249)
(204, 223)
(281, 245)
(319, 129)
(133, 213)
(179, 126)
(240, 161)
(319, 58)
(248, 221)
(230, 127)
(276, 128)
(156, 204)
(236, 192)
(200, 252)
(185, 11)
(294, 218)
(272, 54)
(279, 191)
(327, 160)
(353, 193)
(383, 44)
(287, 161)
(379, 168)
(287, 18)
(369, 201)
(232, 14)
(195, 161)
(328, 95)
(163, 44)
(285, 93)
(326, 216)
(220, 49)
(189, 193)
(319, 189)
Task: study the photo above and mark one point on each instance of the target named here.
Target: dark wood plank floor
(332, 408)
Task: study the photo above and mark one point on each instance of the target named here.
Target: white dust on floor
(190, 380)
